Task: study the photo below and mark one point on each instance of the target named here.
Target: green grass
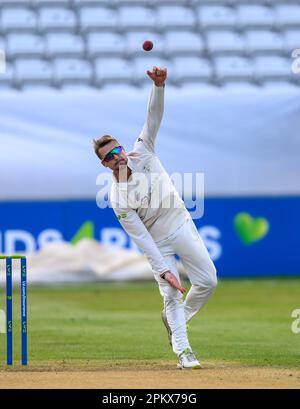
(247, 322)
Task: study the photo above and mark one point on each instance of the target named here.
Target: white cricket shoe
(187, 360)
(165, 321)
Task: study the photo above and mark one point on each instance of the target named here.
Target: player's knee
(210, 281)
(213, 282)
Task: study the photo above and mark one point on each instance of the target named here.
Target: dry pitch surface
(148, 375)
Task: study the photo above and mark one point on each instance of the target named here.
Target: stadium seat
(97, 18)
(7, 78)
(113, 69)
(272, 67)
(237, 68)
(254, 16)
(216, 16)
(183, 42)
(64, 43)
(165, 2)
(291, 40)
(25, 44)
(2, 43)
(135, 39)
(191, 68)
(136, 17)
(32, 70)
(2, 57)
(288, 15)
(80, 3)
(16, 3)
(72, 70)
(225, 42)
(52, 3)
(142, 64)
(176, 17)
(110, 43)
(263, 41)
(56, 18)
(18, 18)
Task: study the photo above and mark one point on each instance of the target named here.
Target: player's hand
(172, 280)
(158, 76)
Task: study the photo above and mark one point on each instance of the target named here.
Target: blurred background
(74, 70)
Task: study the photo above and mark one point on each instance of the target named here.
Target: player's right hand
(172, 280)
(158, 75)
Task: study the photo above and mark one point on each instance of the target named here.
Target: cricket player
(152, 213)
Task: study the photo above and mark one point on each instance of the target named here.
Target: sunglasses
(110, 155)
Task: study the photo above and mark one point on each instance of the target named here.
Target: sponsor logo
(250, 229)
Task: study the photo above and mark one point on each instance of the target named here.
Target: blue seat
(2, 58)
(72, 69)
(291, 39)
(288, 15)
(216, 16)
(33, 70)
(255, 16)
(80, 3)
(92, 18)
(183, 42)
(113, 69)
(272, 67)
(225, 42)
(235, 68)
(64, 44)
(25, 44)
(18, 18)
(175, 17)
(263, 41)
(105, 43)
(136, 17)
(57, 18)
(7, 73)
(192, 69)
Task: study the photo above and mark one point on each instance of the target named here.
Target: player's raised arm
(155, 107)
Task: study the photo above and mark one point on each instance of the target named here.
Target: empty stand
(64, 44)
(105, 43)
(56, 18)
(113, 69)
(97, 18)
(175, 16)
(25, 44)
(136, 17)
(18, 19)
(99, 42)
(72, 70)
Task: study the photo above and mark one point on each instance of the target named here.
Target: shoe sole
(165, 322)
(185, 368)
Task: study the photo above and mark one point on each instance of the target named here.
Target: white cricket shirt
(148, 206)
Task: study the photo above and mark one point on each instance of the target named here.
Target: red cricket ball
(148, 45)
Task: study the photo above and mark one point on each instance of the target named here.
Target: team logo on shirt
(122, 216)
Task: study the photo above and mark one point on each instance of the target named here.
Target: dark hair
(99, 143)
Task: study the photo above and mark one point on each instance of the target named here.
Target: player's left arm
(155, 108)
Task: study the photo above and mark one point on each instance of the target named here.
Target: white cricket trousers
(188, 245)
